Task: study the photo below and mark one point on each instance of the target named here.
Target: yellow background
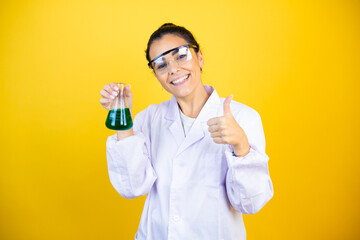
(296, 62)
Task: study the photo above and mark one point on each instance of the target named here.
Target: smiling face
(181, 81)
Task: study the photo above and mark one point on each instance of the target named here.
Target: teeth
(180, 80)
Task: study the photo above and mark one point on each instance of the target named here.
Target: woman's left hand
(225, 130)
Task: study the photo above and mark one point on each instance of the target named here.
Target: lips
(180, 80)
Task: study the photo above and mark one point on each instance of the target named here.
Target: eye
(161, 66)
(181, 56)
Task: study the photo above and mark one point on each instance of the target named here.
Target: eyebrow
(176, 50)
(167, 52)
(173, 52)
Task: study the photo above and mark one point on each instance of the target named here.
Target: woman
(200, 158)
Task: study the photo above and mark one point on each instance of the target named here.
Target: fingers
(129, 96)
(128, 93)
(107, 95)
(109, 92)
(127, 87)
(216, 134)
(114, 86)
(219, 129)
(214, 121)
(227, 102)
(105, 101)
(214, 128)
(219, 140)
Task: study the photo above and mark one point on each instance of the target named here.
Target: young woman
(199, 158)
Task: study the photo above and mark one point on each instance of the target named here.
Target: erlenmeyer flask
(119, 117)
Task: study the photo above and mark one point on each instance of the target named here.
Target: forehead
(167, 42)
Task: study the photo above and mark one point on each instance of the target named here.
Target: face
(180, 81)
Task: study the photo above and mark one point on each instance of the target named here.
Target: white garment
(196, 188)
(186, 122)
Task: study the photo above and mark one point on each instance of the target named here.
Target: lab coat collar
(212, 106)
(209, 110)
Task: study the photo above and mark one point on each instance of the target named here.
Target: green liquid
(119, 119)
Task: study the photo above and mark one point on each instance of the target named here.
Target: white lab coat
(196, 188)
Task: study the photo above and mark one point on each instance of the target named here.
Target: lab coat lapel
(200, 128)
(195, 134)
(175, 126)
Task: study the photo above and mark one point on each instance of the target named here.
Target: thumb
(227, 101)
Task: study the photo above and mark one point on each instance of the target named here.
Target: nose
(173, 66)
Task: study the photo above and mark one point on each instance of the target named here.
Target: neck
(191, 105)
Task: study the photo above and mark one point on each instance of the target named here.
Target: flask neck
(120, 99)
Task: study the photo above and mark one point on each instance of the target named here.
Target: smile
(180, 80)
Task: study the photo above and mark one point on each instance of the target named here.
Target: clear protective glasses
(180, 55)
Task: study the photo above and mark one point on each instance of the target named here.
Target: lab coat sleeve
(129, 164)
(248, 182)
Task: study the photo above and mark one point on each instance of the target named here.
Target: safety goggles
(180, 55)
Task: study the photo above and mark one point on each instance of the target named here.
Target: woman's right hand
(108, 94)
(110, 91)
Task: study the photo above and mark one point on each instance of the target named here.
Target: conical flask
(119, 117)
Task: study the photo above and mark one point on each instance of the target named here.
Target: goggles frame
(168, 51)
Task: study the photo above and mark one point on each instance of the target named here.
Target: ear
(200, 58)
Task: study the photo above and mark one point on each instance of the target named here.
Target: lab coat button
(175, 218)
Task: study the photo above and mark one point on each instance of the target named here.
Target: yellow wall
(296, 62)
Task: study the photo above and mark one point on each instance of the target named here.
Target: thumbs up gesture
(225, 130)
